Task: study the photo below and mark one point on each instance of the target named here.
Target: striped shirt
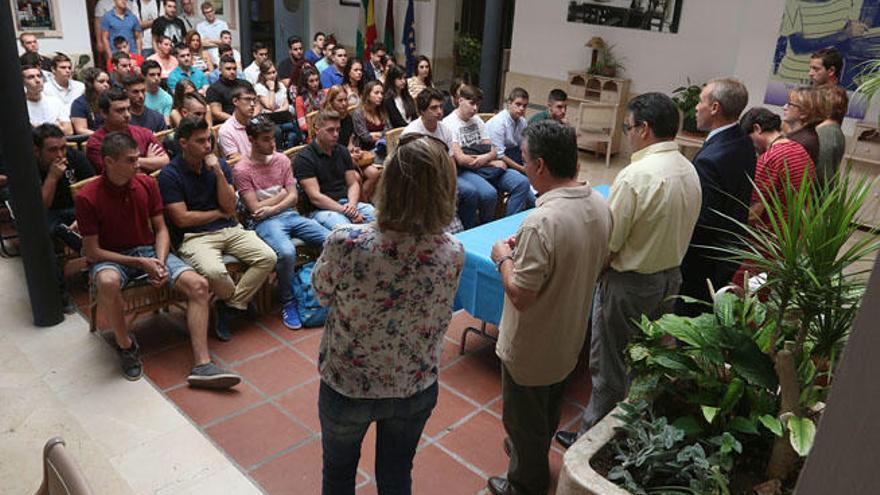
(784, 158)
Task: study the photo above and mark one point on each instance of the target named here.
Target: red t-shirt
(119, 215)
(786, 158)
(143, 137)
(136, 60)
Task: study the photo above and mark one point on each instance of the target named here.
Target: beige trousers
(204, 251)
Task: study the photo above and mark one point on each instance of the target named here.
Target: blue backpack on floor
(311, 312)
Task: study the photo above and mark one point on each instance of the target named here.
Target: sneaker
(290, 316)
(209, 375)
(132, 367)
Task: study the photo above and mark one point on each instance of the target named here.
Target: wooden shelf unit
(603, 90)
(862, 157)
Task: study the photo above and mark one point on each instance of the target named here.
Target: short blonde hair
(417, 190)
(809, 101)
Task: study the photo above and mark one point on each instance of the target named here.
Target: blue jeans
(287, 135)
(277, 231)
(399, 425)
(485, 181)
(331, 219)
(173, 265)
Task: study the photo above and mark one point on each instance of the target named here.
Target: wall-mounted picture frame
(226, 10)
(40, 17)
(351, 3)
(647, 15)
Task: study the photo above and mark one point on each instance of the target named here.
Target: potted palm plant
(750, 377)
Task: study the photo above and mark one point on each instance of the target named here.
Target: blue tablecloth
(480, 292)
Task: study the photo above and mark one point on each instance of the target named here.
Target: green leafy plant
(808, 249)
(468, 52)
(609, 62)
(686, 98)
(653, 456)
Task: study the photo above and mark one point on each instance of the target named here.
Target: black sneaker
(209, 375)
(132, 367)
(224, 315)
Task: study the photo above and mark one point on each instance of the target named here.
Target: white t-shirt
(252, 73)
(74, 90)
(280, 94)
(49, 110)
(466, 133)
(149, 11)
(210, 31)
(442, 132)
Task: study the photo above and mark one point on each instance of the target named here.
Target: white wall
(331, 17)
(707, 43)
(715, 38)
(75, 27)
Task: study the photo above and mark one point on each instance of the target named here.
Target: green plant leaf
(771, 423)
(709, 412)
(802, 433)
(743, 425)
(689, 425)
(638, 352)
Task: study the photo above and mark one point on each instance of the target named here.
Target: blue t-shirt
(80, 108)
(150, 119)
(330, 77)
(160, 102)
(313, 57)
(178, 183)
(125, 27)
(198, 78)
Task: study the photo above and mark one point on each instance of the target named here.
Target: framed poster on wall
(648, 15)
(40, 17)
(226, 10)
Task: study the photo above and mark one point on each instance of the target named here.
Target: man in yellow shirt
(655, 202)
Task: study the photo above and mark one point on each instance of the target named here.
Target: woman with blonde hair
(389, 286)
(201, 59)
(337, 100)
(800, 116)
(832, 142)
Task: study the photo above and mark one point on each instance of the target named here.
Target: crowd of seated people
(222, 183)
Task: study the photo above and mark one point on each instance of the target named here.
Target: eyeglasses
(415, 136)
(628, 127)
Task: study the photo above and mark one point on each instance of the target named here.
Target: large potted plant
(686, 99)
(749, 377)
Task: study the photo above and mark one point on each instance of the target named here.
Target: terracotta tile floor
(268, 426)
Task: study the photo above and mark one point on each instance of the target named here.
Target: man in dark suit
(375, 66)
(726, 165)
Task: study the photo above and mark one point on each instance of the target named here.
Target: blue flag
(409, 39)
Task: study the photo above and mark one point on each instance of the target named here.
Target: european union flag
(409, 39)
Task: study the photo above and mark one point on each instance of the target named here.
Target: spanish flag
(366, 29)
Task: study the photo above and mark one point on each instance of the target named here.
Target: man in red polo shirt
(125, 238)
(116, 111)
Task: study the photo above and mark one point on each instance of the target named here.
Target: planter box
(576, 476)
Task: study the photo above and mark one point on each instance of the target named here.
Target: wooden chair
(161, 135)
(310, 122)
(292, 152)
(139, 295)
(61, 473)
(595, 122)
(485, 116)
(392, 137)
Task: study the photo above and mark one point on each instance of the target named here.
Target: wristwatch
(501, 261)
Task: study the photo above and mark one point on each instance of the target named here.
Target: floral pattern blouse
(390, 296)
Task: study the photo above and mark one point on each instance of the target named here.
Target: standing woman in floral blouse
(390, 287)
